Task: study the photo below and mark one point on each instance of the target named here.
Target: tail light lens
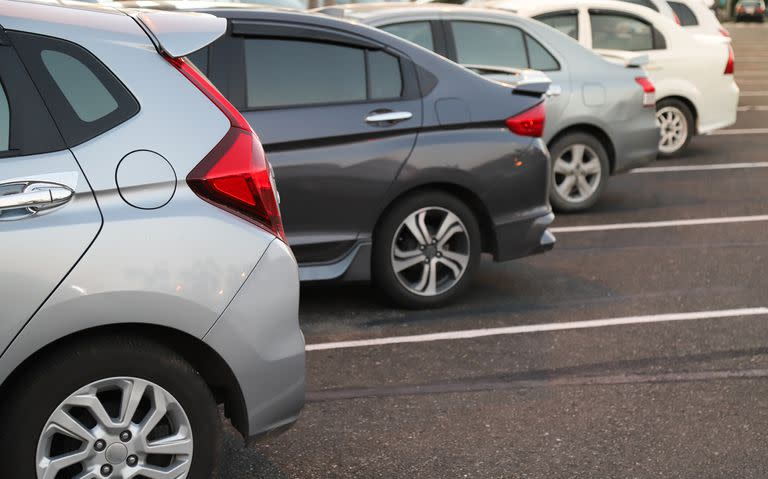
(724, 32)
(677, 19)
(730, 67)
(235, 175)
(528, 123)
(649, 91)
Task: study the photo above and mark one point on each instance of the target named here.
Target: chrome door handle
(388, 116)
(36, 196)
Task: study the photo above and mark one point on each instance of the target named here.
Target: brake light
(724, 32)
(677, 19)
(235, 175)
(730, 67)
(649, 91)
(528, 123)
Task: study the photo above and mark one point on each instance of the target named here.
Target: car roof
(193, 5)
(88, 6)
(364, 11)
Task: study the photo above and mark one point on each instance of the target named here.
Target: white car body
(706, 20)
(691, 67)
(660, 6)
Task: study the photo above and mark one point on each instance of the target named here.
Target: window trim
(410, 88)
(559, 13)
(657, 38)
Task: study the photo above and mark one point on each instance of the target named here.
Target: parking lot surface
(531, 382)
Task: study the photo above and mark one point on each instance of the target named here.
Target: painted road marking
(659, 224)
(537, 328)
(753, 108)
(717, 166)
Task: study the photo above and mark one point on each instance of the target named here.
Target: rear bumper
(722, 113)
(525, 236)
(258, 336)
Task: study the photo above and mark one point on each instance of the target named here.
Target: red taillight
(724, 32)
(677, 19)
(730, 67)
(235, 175)
(528, 123)
(649, 91)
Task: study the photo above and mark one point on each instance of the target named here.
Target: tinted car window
(200, 60)
(85, 98)
(620, 32)
(489, 44)
(540, 58)
(385, 78)
(567, 23)
(5, 120)
(294, 72)
(419, 33)
(684, 14)
(644, 3)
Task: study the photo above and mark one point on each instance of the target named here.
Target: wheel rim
(577, 172)
(673, 128)
(119, 427)
(430, 251)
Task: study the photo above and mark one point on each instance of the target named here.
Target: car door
(48, 215)
(474, 42)
(338, 116)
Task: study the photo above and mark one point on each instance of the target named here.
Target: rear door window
(684, 14)
(5, 120)
(85, 98)
(317, 73)
(540, 58)
(419, 33)
(480, 43)
(615, 31)
(565, 22)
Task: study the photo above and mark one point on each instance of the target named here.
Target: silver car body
(592, 93)
(183, 271)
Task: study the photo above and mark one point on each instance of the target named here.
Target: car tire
(579, 161)
(669, 112)
(435, 269)
(110, 365)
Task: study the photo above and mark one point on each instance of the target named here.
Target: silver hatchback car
(145, 275)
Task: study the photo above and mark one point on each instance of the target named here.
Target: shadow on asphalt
(239, 462)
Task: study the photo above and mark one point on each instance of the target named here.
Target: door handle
(36, 197)
(390, 117)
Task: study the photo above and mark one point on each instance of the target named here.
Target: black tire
(42, 388)
(556, 149)
(383, 271)
(691, 126)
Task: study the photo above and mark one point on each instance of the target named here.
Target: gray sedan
(600, 116)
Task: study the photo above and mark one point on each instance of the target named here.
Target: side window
(200, 60)
(419, 33)
(540, 58)
(644, 3)
(685, 14)
(85, 98)
(567, 23)
(318, 73)
(614, 31)
(475, 39)
(5, 121)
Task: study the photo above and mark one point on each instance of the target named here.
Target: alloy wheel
(673, 128)
(119, 427)
(577, 173)
(430, 251)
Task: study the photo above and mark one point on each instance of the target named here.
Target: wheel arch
(204, 359)
(687, 103)
(464, 194)
(593, 130)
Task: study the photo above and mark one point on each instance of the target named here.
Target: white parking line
(740, 131)
(716, 166)
(536, 328)
(659, 224)
(753, 108)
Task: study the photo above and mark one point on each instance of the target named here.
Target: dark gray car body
(338, 174)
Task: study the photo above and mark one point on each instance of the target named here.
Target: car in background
(696, 17)
(693, 74)
(600, 116)
(660, 6)
(198, 4)
(146, 278)
(752, 10)
(394, 164)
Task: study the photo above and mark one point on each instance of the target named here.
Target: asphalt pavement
(637, 348)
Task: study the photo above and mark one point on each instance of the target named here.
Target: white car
(693, 74)
(696, 17)
(660, 6)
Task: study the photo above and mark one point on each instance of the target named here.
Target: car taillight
(724, 32)
(528, 123)
(649, 91)
(235, 175)
(677, 19)
(730, 67)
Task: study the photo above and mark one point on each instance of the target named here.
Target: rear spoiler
(636, 61)
(524, 81)
(179, 33)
